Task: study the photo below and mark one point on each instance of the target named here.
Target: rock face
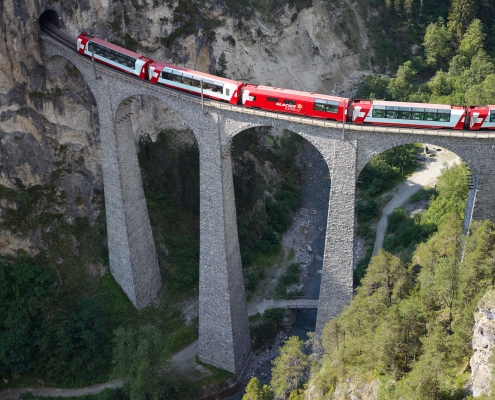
(49, 130)
(483, 342)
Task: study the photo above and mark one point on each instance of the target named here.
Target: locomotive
(309, 104)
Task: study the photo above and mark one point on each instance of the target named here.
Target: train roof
(270, 90)
(118, 48)
(160, 65)
(409, 104)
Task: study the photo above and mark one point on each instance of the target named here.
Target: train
(307, 104)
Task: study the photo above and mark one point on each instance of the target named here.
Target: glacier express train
(309, 104)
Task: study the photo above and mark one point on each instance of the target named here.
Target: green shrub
(366, 210)
(264, 330)
(290, 277)
(396, 218)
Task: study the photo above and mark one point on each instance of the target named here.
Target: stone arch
(459, 146)
(317, 232)
(300, 130)
(151, 114)
(52, 17)
(61, 61)
(123, 105)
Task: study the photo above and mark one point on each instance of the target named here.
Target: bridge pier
(131, 247)
(224, 339)
(484, 200)
(336, 280)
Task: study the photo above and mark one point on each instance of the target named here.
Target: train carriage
(113, 55)
(295, 102)
(415, 115)
(481, 117)
(214, 87)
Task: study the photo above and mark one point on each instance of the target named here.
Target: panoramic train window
(216, 88)
(492, 116)
(391, 112)
(273, 99)
(444, 115)
(418, 114)
(112, 55)
(404, 112)
(290, 102)
(378, 112)
(326, 106)
(430, 114)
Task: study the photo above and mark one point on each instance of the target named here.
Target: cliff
(50, 161)
(483, 342)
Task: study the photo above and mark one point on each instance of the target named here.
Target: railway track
(68, 43)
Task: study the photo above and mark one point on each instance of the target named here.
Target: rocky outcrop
(483, 342)
(49, 130)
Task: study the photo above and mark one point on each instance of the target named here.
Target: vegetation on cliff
(454, 69)
(409, 325)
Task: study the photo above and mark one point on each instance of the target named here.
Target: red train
(309, 104)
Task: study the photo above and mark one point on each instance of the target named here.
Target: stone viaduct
(224, 339)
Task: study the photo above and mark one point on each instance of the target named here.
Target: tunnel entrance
(50, 16)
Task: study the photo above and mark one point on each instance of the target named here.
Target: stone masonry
(223, 325)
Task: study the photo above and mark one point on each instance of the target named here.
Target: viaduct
(224, 339)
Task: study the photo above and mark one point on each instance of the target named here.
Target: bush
(265, 331)
(395, 218)
(291, 277)
(366, 210)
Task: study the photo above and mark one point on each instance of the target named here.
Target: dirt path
(54, 392)
(426, 176)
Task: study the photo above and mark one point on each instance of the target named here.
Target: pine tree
(461, 14)
(222, 65)
(289, 368)
(254, 391)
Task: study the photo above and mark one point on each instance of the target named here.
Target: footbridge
(300, 303)
(223, 319)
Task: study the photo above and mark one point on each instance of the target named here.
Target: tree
(477, 271)
(401, 86)
(290, 368)
(26, 290)
(254, 391)
(473, 40)
(461, 14)
(374, 88)
(386, 278)
(139, 361)
(437, 43)
(222, 65)
(452, 191)
(401, 156)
